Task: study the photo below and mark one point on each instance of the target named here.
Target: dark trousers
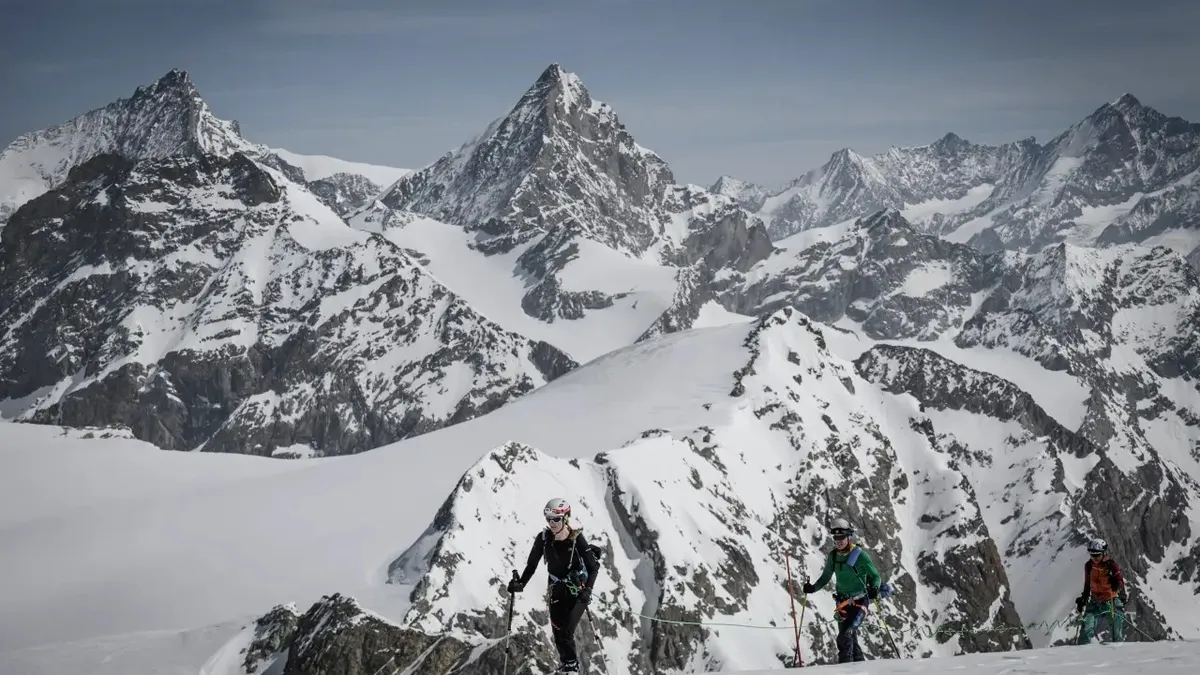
(565, 613)
(850, 618)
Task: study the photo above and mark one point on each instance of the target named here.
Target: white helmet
(840, 526)
(1097, 546)
(557, 508)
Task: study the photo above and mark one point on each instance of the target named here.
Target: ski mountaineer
(857, 583)
(572, 567)
(1103, 594)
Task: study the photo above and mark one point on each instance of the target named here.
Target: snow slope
(318, 167)
(260, 531)
(494, 285)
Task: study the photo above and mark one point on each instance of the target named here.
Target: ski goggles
(554, 519)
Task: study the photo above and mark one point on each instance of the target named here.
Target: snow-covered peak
(749, 195)
(558, 197)
(558, 159)
(1127, 103)
(563, 90)
(164, 119)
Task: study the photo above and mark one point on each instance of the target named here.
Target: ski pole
(803, 606)
(888, 633)
(787, 559)
(599, 641)
(508, 629)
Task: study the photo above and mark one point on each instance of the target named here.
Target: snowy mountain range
(709, 375)
(1126, 173)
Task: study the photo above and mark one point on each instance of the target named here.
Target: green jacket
(850, 581)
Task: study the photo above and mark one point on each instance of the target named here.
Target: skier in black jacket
(572, 568)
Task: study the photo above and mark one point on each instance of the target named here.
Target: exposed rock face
(273, 635)
(896, 282)
(337, 637)
(208, 302)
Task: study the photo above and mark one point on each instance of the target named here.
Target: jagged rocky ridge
(973, 499)
(1126, 173)
(206, 301)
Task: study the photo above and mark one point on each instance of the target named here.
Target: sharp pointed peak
(555, 74)
(176, 75)
(1125, 105)
(1126, 101)
(845, 154)
(950, 138)
(176, 79)
(553, 71)
(559, 91)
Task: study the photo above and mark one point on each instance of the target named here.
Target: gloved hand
(886, 590)
(585, 596)
(872, 593)
(1079, 603)
(515, 586)
(808, 588)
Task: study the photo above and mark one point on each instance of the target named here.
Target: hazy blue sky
(760, 89)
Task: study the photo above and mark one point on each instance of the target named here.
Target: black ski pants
(850, 618)
(565, 613)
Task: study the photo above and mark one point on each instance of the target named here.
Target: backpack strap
(853, 559)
